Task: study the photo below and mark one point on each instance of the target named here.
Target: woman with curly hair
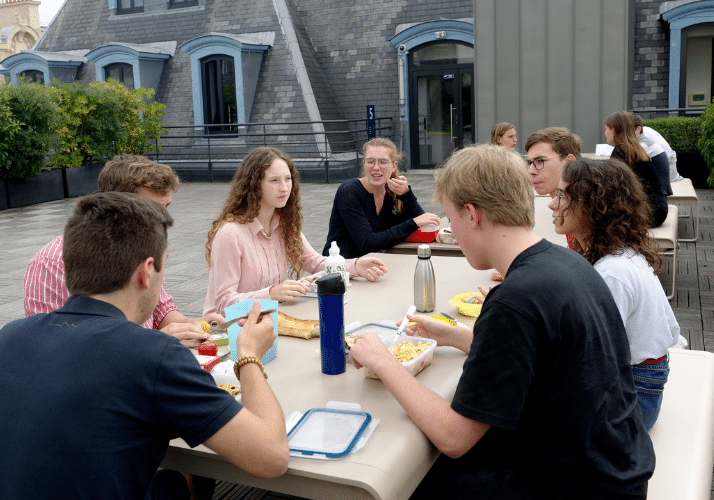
(620, 132)
(377, 210)
(258, 237)
(603, 205)
(504, 134)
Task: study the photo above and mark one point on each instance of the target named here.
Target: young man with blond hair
(546, 405)
(90, 399)
(45, 288)
(547, 152)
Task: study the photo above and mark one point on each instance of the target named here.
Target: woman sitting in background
(258, 236)
(620, 132)
(603, 205)
(504, 134)
(378, 210)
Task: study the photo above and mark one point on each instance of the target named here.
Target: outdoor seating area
(683, 436)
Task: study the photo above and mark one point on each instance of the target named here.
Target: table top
(398, 454)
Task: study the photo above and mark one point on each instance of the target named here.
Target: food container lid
(328, 432)
(331, 284)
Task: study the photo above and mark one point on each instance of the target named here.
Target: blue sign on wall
(371, 127)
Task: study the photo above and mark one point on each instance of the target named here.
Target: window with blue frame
(219, 93)
(120, 72)
(32, 75)
(129, 6)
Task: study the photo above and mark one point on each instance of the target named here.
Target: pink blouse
(246, 262)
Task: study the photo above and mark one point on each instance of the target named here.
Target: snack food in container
(416, 364)
(426, 234)
(462, 303)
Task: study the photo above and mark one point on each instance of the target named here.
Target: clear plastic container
(416, 365)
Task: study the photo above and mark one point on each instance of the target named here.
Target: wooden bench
(683, 436)
(683, 192)
(666, 238)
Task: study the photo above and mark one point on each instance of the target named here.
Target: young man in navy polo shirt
(90, 399)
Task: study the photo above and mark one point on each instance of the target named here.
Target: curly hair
(614, 208)
(243, 203)
(624, 136)
(395, 155)
(498, 130)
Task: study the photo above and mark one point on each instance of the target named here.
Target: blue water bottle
(330, 290)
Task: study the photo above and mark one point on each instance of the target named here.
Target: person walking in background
(377, 210)
(258, 237)
(620, 133)
(602, 204)
(504, 134)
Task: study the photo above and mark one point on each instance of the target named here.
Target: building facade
(19, 26)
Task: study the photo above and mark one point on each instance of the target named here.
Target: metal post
(210, 163)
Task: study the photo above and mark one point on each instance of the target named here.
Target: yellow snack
(205, 327)
(233, 390)
(406, 351)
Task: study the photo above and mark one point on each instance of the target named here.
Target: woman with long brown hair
(620, 132)
(603, 205)
(258, 237)
(377, 210)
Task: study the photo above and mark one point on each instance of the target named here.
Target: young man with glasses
(547, 152)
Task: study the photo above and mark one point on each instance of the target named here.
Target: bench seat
(666, 238)
(684, 192)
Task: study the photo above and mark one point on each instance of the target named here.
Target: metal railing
(309, 143)
(647, 113)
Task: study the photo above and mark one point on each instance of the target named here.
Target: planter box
(46, 186)
(3, 195)
(82, 180)
(692, 166)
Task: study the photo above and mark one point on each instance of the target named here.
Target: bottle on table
(335, 263)
(424, 282)
(330, 290)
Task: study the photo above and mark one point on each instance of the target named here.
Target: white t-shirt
(651, 135)
(649, 321)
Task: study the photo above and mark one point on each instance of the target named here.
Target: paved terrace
(25, 230)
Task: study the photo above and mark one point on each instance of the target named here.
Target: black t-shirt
(357, 227)
(647, 174)
(549, 369)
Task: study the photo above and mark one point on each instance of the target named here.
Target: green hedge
(681, 132)
(71, 125)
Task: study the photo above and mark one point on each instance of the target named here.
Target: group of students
(547, 406)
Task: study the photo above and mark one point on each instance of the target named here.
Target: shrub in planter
(681, 132)
(103, 119)
(706, 141)
(35, 111)
(8, 128)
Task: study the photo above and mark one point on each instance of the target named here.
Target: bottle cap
(330, 284)
(424, 251)
(334, 249)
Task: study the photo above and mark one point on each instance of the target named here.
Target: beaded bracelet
(244, 361)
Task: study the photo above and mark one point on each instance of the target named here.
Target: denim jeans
(649, 383)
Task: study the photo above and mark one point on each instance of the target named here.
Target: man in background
(547, 152)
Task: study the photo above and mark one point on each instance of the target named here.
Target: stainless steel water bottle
(330, 290)
(424, 282)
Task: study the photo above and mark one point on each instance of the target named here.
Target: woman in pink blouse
(258, 237)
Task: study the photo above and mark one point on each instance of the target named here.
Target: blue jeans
(649, 383)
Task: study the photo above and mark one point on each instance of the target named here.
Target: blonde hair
(394, 155)
(492, 179)
(498, 130)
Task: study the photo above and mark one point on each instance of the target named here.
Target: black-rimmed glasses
(538, 163)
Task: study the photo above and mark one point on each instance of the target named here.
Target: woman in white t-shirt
(603, 204)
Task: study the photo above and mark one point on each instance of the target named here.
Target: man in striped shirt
(45, 288)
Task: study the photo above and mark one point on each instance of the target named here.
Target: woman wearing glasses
(258, 238)
(504, 134)
(377, 210)
(603, 205)
(620, 132)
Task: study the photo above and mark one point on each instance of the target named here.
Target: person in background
(377, 210)
(258, 237)
(504, 134)
(648, 135)
(620, 133)
(546, 406)
(44, 283)
(603, 205)
(547, 152)
(101, 397)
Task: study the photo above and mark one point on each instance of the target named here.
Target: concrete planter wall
(82, 180)
(3, 195)
(692, 166)
(46, 186)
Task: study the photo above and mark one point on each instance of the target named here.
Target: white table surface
(398, 454)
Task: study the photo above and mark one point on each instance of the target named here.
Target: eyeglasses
(538, 163)
(560, 196)
(383, 162)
